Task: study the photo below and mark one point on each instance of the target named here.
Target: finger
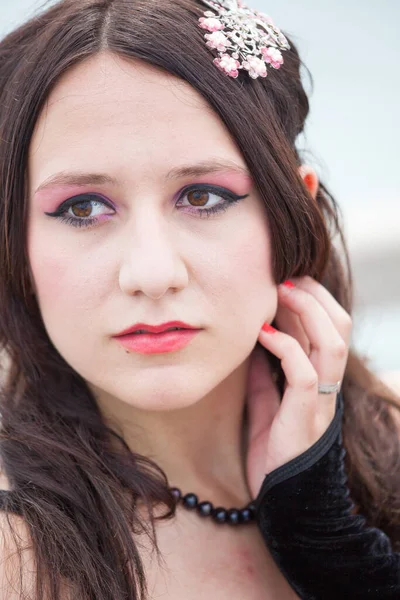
(262, 406)
(300, 404)
(262, 394)
(290, 323)
(329, 350)
(340, 318)
(302, 417)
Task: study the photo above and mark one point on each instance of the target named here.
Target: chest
(213, 561)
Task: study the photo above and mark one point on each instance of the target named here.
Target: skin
(313, 344)
(151, 261)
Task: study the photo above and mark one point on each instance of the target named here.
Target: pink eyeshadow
(236, 182)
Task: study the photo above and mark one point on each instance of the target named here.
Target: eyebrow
(79, 178)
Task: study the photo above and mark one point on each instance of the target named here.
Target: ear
(310, 178)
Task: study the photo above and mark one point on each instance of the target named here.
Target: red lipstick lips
(155, 328)
(155, 339)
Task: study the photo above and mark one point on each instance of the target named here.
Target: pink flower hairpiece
(243, 37)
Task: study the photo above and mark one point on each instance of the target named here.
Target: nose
(151, 262)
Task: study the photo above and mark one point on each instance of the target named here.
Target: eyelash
(230, 198)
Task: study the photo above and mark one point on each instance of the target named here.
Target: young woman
(150, 180)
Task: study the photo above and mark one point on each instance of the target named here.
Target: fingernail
(289, 284)
(268, 328)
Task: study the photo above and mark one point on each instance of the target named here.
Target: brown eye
(206, 200)
(78, 211)
(198, 197)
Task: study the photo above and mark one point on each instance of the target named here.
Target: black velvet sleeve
(325, 552)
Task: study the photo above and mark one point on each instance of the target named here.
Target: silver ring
(328, 388)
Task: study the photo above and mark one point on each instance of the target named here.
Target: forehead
(109, 110)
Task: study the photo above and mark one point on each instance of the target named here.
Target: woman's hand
(313, 343)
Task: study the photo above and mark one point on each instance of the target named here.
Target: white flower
(217, 40)
(255, 66)
(273, 56)
(210, 24)
(228, 65)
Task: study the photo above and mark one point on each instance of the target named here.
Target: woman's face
(149, 254)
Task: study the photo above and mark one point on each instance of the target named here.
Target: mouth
(147, 329)
(141, 331)
(169, 340)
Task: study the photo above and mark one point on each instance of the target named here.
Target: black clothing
(325, 552)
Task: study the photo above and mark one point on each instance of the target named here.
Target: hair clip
(243, 37)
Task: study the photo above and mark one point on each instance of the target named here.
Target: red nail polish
(268, 328)
(289, 284)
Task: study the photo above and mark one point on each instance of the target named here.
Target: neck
(201, 448)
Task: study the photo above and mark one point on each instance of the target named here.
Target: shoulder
(15, 550)
(18, 567)
(4, 483)
(15, 539)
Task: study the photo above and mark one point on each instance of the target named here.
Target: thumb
(263, 398)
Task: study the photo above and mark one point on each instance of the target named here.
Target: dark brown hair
(72, 477)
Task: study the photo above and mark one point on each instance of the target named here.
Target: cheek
(231, 283)
(65, 280)
(244, 275)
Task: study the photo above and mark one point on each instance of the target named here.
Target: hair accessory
(243, 37)
(329, 388)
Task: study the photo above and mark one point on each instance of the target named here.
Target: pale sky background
(352, 49)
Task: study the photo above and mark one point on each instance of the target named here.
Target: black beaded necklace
(233, 516)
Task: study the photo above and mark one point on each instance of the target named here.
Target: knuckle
(308, 382)
(308, 279)
(291, 345)
(339, 350)
(347, 321)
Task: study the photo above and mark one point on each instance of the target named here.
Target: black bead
(176, 492)
(205, 509)
(219, 514)
(233, 516)
(246, 515)
(190, 501)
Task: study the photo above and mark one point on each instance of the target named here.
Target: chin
(152, 396)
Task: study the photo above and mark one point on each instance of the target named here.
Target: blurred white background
(352, 49)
